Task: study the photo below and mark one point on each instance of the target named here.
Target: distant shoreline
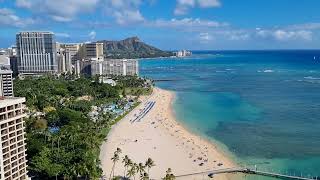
(151, 58)
(173, 57)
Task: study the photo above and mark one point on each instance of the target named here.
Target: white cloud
(203, 30)
(6, 11)
(188, 23)
(262, 33)
(209, 3)
(58, 10)
(124, 3)
(9, 18)
(24, 3)
(238, 35)
(285, 34)
(125, 11)
(186, 2)
(205, 37)
(180, 10)
(63, 35)
(231, 34)
(92, 35)
(61, 18)
(306, 26)
(128, 16)
(183, 6)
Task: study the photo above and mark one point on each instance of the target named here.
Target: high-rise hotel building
(12, 142)
(72, 51)
(36, 52)
(91, 50)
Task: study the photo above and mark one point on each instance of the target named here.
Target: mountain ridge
(132, 47)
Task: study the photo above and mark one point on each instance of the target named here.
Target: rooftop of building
(7, 101)
(5, 71)
(93, 43)
(44, 32)
(70, 44)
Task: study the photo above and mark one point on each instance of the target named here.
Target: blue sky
(170, 24)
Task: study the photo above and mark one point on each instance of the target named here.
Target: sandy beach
(158, 135)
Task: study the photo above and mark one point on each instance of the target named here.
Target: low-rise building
(107, 80)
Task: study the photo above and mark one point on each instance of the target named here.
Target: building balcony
(6, 156)
(4, 132)
(4, 144)
(4, 138)
(7, 168)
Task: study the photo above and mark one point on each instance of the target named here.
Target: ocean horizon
(260, 106)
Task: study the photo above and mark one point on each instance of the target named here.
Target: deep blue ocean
(262, 106)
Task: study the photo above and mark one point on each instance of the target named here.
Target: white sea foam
(313, 78)
(220, 71)
(266, 71)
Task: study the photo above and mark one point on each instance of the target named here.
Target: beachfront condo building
(12, 142)
(6, 84)
(36, 52)
(102, 67)
(122, 67)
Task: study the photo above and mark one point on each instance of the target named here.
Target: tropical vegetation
(62, 141)
(133, 169)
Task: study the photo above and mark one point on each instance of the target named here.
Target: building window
(2, 117)
(3, 125)
(4, 132)
(2, 110)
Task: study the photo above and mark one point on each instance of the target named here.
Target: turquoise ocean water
(262, 106)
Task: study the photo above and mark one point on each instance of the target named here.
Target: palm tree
(115, 159)
(144, 176)
(132, 171)
(126, 162)
(149, 163)
(140, 169)
(118, 151)
(169, 175)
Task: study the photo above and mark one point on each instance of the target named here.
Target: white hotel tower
(12, 142)
(36, 52)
